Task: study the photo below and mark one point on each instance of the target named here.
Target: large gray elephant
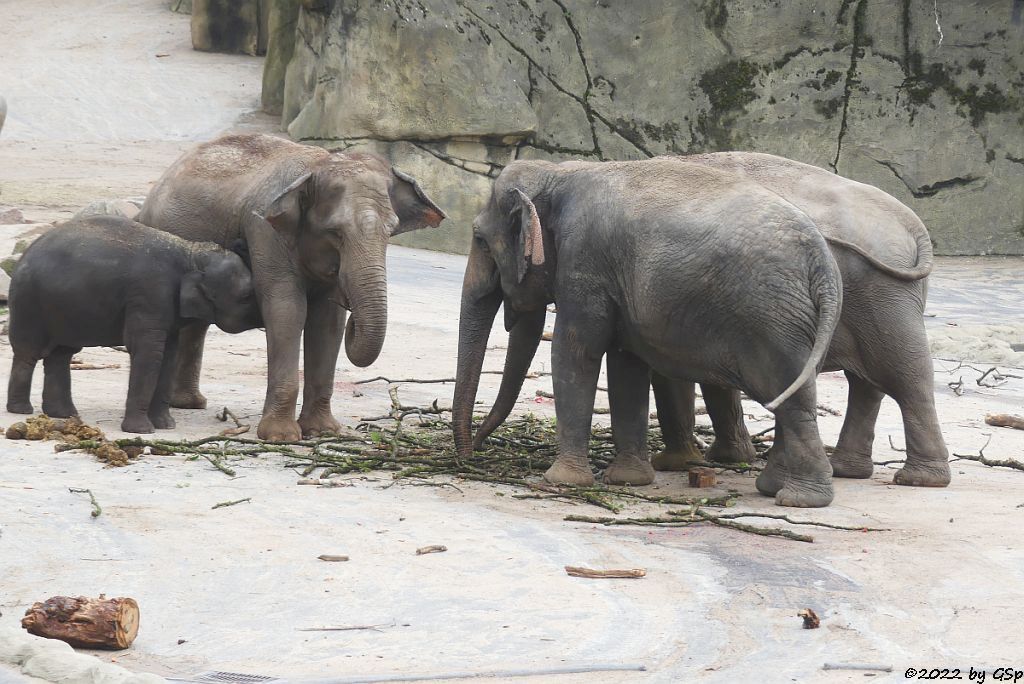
(695, 272)
(885, 255)
(317, 225)
(3, 112)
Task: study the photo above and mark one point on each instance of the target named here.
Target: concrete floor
(96, 114)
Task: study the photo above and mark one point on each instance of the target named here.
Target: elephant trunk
(368, 324)
(523, 340)
(481, 298)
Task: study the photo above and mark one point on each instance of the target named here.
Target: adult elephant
(885, 255)
(317, 225)
(689, 270)
(3, 112)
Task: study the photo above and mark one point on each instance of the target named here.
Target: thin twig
(225, 504)
(96, 510)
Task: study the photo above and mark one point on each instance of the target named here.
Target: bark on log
(85, 622)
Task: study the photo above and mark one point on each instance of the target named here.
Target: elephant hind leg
(19, 385)
(732, 441)
(57, 383)
(674, 400)
(189, 364)
(852, 457)
(798, 471)
(927, 456)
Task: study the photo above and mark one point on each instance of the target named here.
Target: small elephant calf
(103, 281)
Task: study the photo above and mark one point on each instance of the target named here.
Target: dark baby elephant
(884, 255)
(695, 272)
(317, 224)
(104, 281)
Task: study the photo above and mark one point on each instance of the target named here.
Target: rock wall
(922, 98)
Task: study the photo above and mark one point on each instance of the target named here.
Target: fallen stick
(225, 504)
(857, 666)
(239, 429)
(351, 628)
(1005, 420)
(433, 548)
(216, 462)
(81, 365)
(332, 559)
(320, 482)
(634, 573)
(96, 510)
(420, 381)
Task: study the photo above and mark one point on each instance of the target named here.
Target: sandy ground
(96, 114)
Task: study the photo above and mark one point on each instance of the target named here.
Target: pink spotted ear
(530, 234)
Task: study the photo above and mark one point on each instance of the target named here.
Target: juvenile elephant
(695, 272)
(884, 255)
(103, 281)
(317, 224)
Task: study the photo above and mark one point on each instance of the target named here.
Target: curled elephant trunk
(368, 324)
(481, 298)
(523, 340)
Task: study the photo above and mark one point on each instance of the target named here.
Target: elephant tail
(920, 270)
(826, 284)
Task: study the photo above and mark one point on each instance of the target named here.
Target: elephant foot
(318, 424)
(137, 424)
(188, 399)
(277, 429)
(676, 460)
(773, 478)
(162, 420)
(726, 452)
(570, 471)
(24, 407)
(629, 470)
(804, 494)
(851, 465)
(59, 409)
(928, 474)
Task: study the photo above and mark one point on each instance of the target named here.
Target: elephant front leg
(576, 353)
(146, 348)
(284, 313)
(675, 403)
(629, 398)
(187, 367)
(325, 327)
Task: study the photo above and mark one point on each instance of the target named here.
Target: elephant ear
(193, 302)
(412, 206)
(530, 243)
(285, 210)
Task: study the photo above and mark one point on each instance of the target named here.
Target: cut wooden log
(1005, 420)
(702, 477)
(85, 622)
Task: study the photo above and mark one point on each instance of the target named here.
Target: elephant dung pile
(72, 433)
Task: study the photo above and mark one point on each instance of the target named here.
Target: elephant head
(512, 261)
(339, 215)
(220, 291)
